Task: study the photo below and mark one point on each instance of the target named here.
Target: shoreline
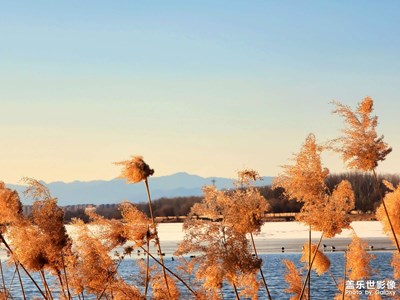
(290, 235)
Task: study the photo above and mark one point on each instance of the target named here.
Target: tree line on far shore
(366, 198)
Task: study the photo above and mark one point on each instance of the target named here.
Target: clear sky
(206, 87)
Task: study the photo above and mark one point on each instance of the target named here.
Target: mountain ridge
(116, 190)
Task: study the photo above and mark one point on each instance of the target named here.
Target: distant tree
(78, 214)
(278, 201)
(366, 195)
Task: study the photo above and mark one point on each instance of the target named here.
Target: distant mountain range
(116, 190)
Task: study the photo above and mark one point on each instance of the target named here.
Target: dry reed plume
(293, 279)
(321, 262)
(93, 270)
(217, 228)
(305, 182)
(357, 267)
(135, 170)
(322, 211)
(360, 146)
(46, 232)
(160, 291)
(245, 207)
(10, 207)
(392, 201)
(396, 265)
(39, 244)
(358, 260)
(305, 179)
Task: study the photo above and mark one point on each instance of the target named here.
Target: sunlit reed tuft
(305, 182)
(135, 170)
(396, 265)
(392, 201)
(360, 146)
(358, 260)
(293, 279)
(305, 179)
(10, 206)
(321, 262)
(160, 291)
(219, 235)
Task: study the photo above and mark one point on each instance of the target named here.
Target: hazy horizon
(20, 182)
(209, 88)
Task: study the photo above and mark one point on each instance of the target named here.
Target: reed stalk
(20, 280)
(170, 271)
(147, 265)
(61, 283)
(156, 236)
(66, 276)
(12, 281)
(46, 286)
(3, 281)
(309, 260)
(261, 271)
(344, 275)
(309, 269)
(236, 291)
(333, 277)
(22, 266)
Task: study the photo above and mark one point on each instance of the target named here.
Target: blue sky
(207, 87)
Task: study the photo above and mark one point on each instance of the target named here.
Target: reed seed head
(321, 262)
(293, 278)
(360, 146)
(392, 201)
(358, 260)
(10, 206)
(135, 170)
(305, 179)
